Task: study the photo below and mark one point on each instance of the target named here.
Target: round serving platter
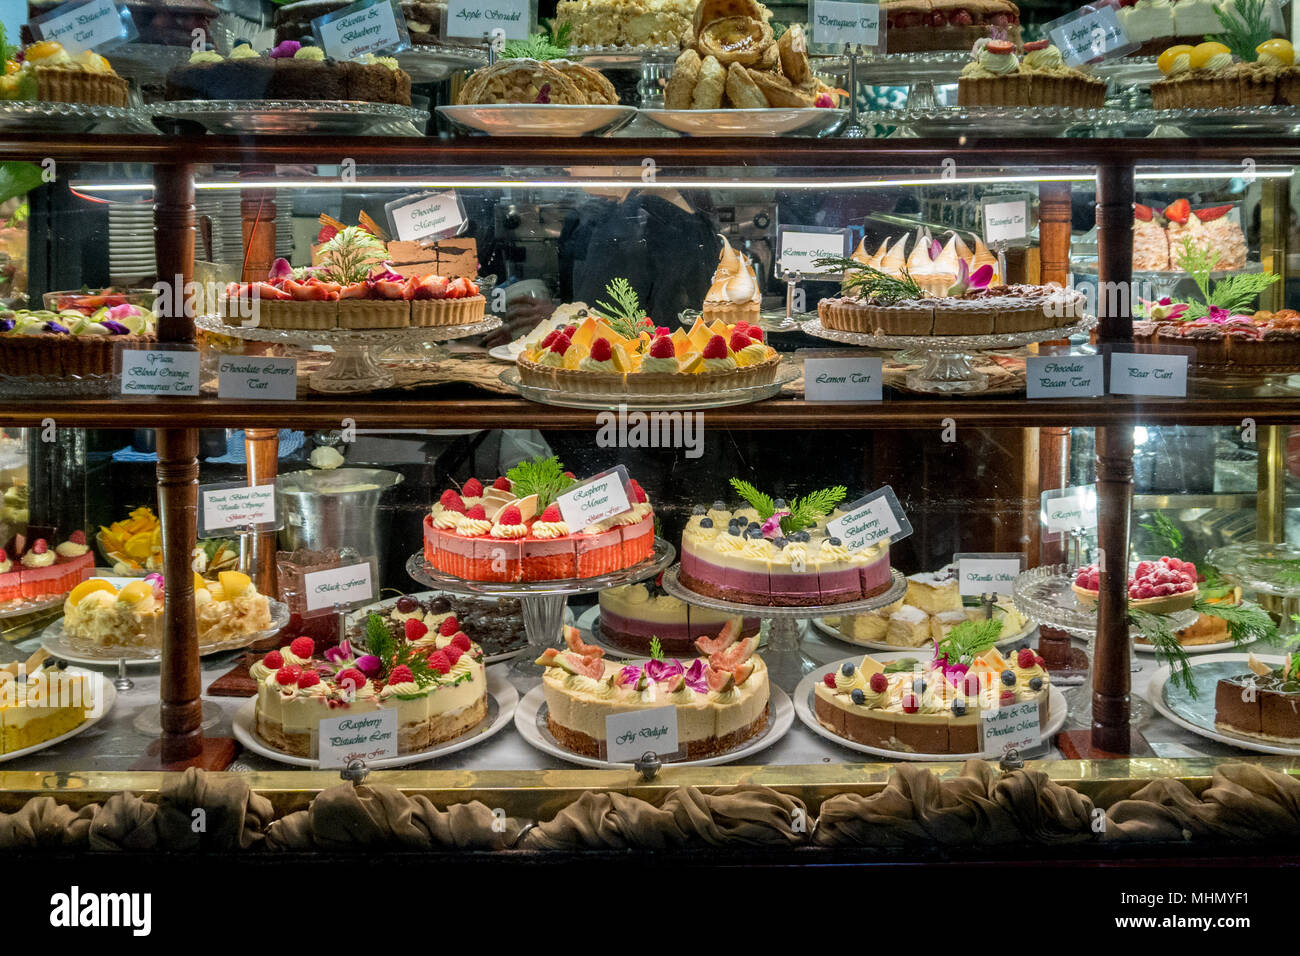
(681, 402)
(431, 62)
(674, 586)
(1222, 121)
(502, 699)
(805, 121)
(296, 116)
(540, 119)
(28, 116)
(803, 706)
(995, 121)
(105, 693)
(530, 719)
(829, 630)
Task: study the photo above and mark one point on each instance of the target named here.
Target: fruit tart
(1157, 587)
(50, 73)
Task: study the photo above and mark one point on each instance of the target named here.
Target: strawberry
(510, 516)
(264, 290)
(739, 340)
(303, 647)
(439, 662)
(288, 675)
(452, 653)
(274, 660)
(351, 678)
(1214, 212)
(1000, 48)
(326, 234)
(305, 291)
(560, 345)
(40, 546)
(1178, 211)
(449, 626)
(502, 484)
(401, 675)
(662, 347)
(716, 349)
(472, 488)
(601, 351)
(829, 680)
(308, 679)
(460, 288)
(879, 683)
(1145, 213)
(415, 629)
(1025, 658)
(462, 641)
(570, 476)
(552, 513)
(452, 501)
(433, 287)
(476, 513)
(77, 537)
(638, 493)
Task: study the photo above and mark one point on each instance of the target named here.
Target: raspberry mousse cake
(721, 697)
(1157, 587)
(1263, 703)
(512, 530)
(630, 616)
(777, 554)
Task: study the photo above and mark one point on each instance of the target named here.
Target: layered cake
(1157, 587)
(512, 530)
(50, 73)
(437, 686)
(423, 18)
(606, 23)
(619, 351)
(40, 700)
(721, 698)
(776, 554)
(915, 26)
(1263, 703)
(633, 614)
(71, 344)
(931, 707)
(99, 614)
(496, 623)
(42, 572)
(995, 77)
(1160, 239)
(291, 71)
(1158, 24)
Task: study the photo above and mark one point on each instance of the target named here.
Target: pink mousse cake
(631, 615)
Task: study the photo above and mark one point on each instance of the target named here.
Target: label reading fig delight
(877, 517)
(371, 736)
(338, 586)
(629, 735)
(595, 499)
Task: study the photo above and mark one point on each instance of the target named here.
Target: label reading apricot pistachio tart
(1089, 34)
(837, 22)
(1134, 374)
(338, 586)
(81, 26)
(1064, 376)
(517, 19)
(371, 26)
(370, 736)
(1010, 727)
(257, 377)
(877, 517)
(843, 379)
(160, 371)
(979, 574)
(628, 736)
(232, 505)
(595, 499)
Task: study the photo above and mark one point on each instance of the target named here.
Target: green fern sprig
(656, 649)
(543, 477)
(540, 46)
(349, 256)
(969, 639)
(625, 313)
(1167, 532)
(1244, 29)
(810, 508)
(1158, 629)
(1247, 623)
(1239, 292)
(757, 500)
(871, 283)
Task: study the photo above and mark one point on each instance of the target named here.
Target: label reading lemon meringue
(371, 26)
(81, 26)
(799, 247)
(370, 736)
(1089, 34)
(628, 736)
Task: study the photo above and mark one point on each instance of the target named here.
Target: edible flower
(772, 526)
(7, 325)
(280, 269)
(369, 664)
(662, 670)
(339, 653)
(155, 581)
(967, 280)
(117, 328)
(1165, 308)
(384, 273)
(694, 677)
(55, 327)
(285, 50)
(544, 94)
(630, 674)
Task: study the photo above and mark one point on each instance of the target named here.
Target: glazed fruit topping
(1214, 212)
(415, 629)
(662, 347)
(879, 683)
(449, 626)
(401, 675)
(1178, 211)
(601, 350)
(273, 660)
(1037, 45)
(407, 604)
(1001, 47)
(1145, 213)
(472, 488)
(303, 647)
(716, 349)
(452, 501)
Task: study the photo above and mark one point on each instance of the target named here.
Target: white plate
(803, 695)
(505, 353)
(1142, 648)
(539, 119)
(1156, 694)
(829, 631)
(755, 122)
(501, 695)
(530, 719)
(107, 693)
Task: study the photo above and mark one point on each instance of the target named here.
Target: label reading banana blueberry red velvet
(837, 22)
(257, 377)
(426, 216)
(1064, 376)
(371, 26)
(979, 574)
(371, 736)
(474, 18)
(1089, 34)
(628, 736)
(228, 506)
(1010, 727)
(877, 517)
(338, 586)
(595, 499)
(843, 379)
(81, 26)
(1157, 374)
(160, 372)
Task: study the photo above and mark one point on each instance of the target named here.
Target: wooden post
(1054, 232)
(178, 484)
(261, 447)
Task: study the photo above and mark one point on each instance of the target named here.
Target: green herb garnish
(543, 477)
(1167, 532)
(656, 649)
(392, 653)
(349, 256)
(551, 45)
(870, 283)
(1158, 630)
(1245, 29)
(803, 512)
(1235, 293)
(969, 639)
(1247, 623)
(626, 313)
(757, 500)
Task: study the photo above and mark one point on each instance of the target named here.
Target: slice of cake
(909, 626)
(41, 699)
(934, 592)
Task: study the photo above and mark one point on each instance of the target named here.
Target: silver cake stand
(353, 368)
(947, 359)
(1264, 568)
(784, 656)
(542, 602)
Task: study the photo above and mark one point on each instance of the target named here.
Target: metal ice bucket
(332, 509)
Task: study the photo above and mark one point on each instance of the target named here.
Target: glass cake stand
(324, 117)
(668, 401)
(784, 655)
(542, 602)
(995, 121)
(353, 368)
(1265, 568)
(948, 367)
(1043, 594)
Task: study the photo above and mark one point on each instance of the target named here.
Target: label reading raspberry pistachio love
(474, 18)
(595, 499)
(1010, 727)
(877, 517)
(371, 26)
(1089, 34)
(837, 22)
(338, 586)
(368, 737)
(81, 26)
(628, 736)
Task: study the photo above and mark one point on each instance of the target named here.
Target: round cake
(633, 614)
(496, 623)
(69, 343)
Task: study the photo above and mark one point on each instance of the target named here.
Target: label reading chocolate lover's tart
(371, 26)
(1089, 34)
(628, 736)
(257, 377)
(1010, 727)
(877, 517)
(475, 18)
(370, 736)
(837, 22)
(81, 26)
(595, 499)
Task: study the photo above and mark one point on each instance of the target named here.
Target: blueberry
(734, 530)
(801, 536)
(847, 669)
(780, 543)
(835, 542)
(755, 533)
(698, 510)
(1035, 683)
(1009, 678)
(780, 504)
(919, 685)
(755, 526)
(242, 41)
(719, 505)
(706, 522)
(857, 696)
(959, 707)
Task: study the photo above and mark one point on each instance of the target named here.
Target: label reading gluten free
(160, 372)
(595, 499)
(427, 216)
(1159, 374)
(877, 517)
(371, 26)
(257, 377)
(81, 26)
(369, 737)
(473, 18)
(843, 379)
(1064, 376)
(837, 22)
(987, 574)
(1010, 727)
(338, 586)
(1089, 34)
(239, 506)
(628, 736)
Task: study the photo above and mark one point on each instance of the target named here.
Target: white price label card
(346, 585)
(979, 574)
(371, 26)
(843, 379)
(160, 372)
(229, 506)
(81, 26)
(1069, 509)
(628, 736)
(595, 499)
(1088, 34)
(837, 22)
(1064, 376)
(1010, 727)
(1155, 374)
(426, 216)
(798, 247)
(877, 517)
(473, 18)
(371, 736)
(257, 377)
(1006, 221)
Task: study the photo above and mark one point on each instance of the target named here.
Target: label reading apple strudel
(877, 517)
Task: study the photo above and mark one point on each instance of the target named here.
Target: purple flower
(369, 665)
(936, 247)
(339, 654)
(659, 671)
(285, 49)
(280, 268)
(7, 325)
(629, 674)
(117, 328)
(155, 581)
(967, 280)
(55, 327)
(694, 677)
(772, 526)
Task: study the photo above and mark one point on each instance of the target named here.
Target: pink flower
(694, 677)
(285, 49)
(663, 670)
(342, 653)
(369, 665)
(280, 269)
(772, 526)
(824, 101)
(967, 280)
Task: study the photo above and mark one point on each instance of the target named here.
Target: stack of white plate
(130, 244)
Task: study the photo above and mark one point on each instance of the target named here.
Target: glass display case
(598, 487)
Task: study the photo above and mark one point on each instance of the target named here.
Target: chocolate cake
(1264, 703)
(497, 623)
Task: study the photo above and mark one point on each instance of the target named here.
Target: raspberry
(716, 349)
(879, 683)
(415, 629)
(452, 653)
(971, 685)
(510, 516)
(570, 476)
(77, 537)
(740, 325)
(273, 660)
(449, 626)
(739, 340)
(829, 680)
(662, 347)
(351, 679)
(472, 488)
(1025, 658)
(571, 330)
(401, 675)
(303, 647)
(1038, 659)
(452, 501)
(288, 675)
(661, 331)
(755, 333)
(552, 513)
(462, 641)
(308, 679)
(476, 513)
(550, 337)
(911, 703)
(502, 484)
(438, 661)
(560, 345)
(40, 547)
(639, 493)
(601, 351)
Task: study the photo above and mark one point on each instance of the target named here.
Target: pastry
(1159, 24)
(520, 80)
(994, 77)
(916, 26)
(630, 616)
(734, 294)
(1263, 702)
(679, 91)
(614, 23)
(50, 73)
(712, 84)
(69, 344)
(1150, 241)
(742, 92)
(1157, 587)
(1206, 76)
